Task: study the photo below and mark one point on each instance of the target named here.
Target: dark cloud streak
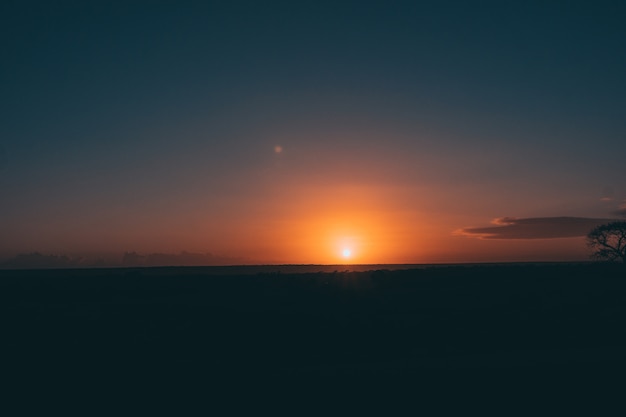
(535, 228)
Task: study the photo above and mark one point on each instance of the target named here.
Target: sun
(346, 248)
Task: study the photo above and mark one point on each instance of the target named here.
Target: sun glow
(338, 226)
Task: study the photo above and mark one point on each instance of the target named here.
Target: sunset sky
(288, 132)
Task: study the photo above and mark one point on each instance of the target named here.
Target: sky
(290, 132)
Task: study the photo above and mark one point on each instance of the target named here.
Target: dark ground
(505, 338)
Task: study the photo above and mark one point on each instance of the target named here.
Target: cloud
(534, 228)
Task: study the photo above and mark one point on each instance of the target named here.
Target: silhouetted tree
(608, 241)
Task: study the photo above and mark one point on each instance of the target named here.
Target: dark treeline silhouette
(129, 259)
(38, 260)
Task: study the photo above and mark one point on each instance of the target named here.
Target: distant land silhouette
(129, 259)
(213, 265)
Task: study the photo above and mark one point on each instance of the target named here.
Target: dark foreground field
(446, 336)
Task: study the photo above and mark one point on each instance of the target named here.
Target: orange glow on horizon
(347, 225)
(314, 224)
